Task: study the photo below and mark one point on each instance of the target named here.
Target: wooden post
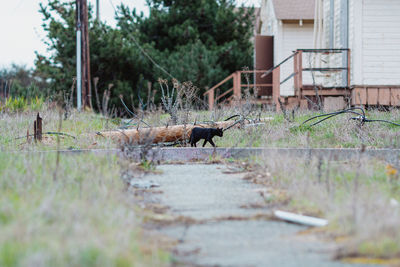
(34, 131)
(28, 138)
(300, 68)
(236, 86)
(296, 74)
(88, 76)
(239, 83)
(276, 83)
(86, 85)
(37, 128)
(211, 94)
(348, 68)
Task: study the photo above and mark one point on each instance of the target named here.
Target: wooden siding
(376, 95)
(332, 79)
(374, 40)
(381, 42)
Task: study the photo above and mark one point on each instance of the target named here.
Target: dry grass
(79, 125)
(80, 214)
(338, 132)
(85, 217)
(359, 198)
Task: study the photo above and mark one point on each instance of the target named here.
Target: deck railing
(235, 93)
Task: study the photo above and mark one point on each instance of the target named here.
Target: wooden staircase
(303, 94)
(234, 94)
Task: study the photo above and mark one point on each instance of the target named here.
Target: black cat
(204, 133)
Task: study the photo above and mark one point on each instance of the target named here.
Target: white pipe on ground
(300, 219)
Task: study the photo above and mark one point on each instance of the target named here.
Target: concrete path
(205, 192)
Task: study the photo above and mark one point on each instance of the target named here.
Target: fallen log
(162, 134)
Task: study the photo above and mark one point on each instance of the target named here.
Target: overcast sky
(22, 35)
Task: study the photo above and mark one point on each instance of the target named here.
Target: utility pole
(98, 10)
(83, 55)
(78, 56)
(87, 96)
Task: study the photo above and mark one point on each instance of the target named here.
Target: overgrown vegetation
(19, 81)
(72, 210)
(359, 198)
(20, 104)
(15, 125)
(60, 209)
(338, 132)
(84, 217)
(351, 194)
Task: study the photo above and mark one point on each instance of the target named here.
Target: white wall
(374, 40)
(380, 42)
(294, 37)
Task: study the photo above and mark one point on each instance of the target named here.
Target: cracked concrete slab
(205, 192)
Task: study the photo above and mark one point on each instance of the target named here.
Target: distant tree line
(19, 80)
(201, 41)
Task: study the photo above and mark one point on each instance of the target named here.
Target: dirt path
(205, 192)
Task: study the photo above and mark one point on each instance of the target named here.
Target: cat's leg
(205, 141)
(211, 142)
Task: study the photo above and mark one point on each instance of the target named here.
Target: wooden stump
(37, 128)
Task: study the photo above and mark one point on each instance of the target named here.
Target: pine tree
(198, 40)
(202, 41)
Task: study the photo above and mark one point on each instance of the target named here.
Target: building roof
(294, 9)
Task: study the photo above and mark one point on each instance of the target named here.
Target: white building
(371, 29)
(291, 23)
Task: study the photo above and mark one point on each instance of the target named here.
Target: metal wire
(360, 117)
(349, 110)
(390, 122)
(237, 121)
(133, 114)
(47, 133)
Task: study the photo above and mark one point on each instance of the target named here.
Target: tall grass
(84, 218)
(82, 125)
(360, 198)
(20, 104)
(338, 132)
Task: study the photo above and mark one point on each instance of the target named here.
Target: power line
(144, 51)
(112, 6)
(18, 5)
(149, 57)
